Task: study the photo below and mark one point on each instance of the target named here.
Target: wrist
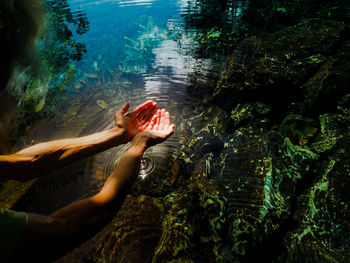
(119, 136)
(138, 146)
(136, 150)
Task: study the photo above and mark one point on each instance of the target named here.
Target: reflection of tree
(36, 62)
(208, 13)
(65, 48)
(213, 25)
(266, 15)
(218, 26)
(57, 50)
(20, 25)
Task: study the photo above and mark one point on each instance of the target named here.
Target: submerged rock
(131, 237)
(323, 230)
(327, 87)
(273, 67)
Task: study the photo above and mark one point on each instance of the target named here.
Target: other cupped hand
(157, 130)
(136, 120)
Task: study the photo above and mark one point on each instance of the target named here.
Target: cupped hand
(157, 130)
(136, 120)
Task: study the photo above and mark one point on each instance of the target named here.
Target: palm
(159, 128)
(136, 120)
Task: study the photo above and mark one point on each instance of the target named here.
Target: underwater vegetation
(262, 173)
(138, 51)
(262, 170)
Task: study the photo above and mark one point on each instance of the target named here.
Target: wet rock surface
(130, 237)
(272, 68)
(308, 84)
(266, 176)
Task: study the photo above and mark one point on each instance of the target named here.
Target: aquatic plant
(262, 174)
(137, 51)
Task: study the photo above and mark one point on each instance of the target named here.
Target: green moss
(298, 128)
(329, 134)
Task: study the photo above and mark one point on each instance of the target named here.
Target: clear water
(136, 50)
(257, 168)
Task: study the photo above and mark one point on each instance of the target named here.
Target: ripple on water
(154, 169)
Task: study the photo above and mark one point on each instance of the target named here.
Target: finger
(146, 115)
(158, 120)
(152, 122)
(124, 109)
(167, 118)
(141, 115)
(162, 120)
(149, 116)
(170, 129)
(151, 119)
(120, 113)
(143, 106)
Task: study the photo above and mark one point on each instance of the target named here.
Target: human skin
(45, 157)
(48, 237)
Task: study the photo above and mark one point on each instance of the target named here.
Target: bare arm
(42, 158)
(73, 224)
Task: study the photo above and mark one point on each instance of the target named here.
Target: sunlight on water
(144, 3)
(257, 166)
(133, 54)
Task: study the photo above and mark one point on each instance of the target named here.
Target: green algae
(241, 179)
(329, 134)
(299, 128)
(12, 191)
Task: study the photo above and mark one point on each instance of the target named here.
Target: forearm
(71, 225)
(44, 157)
(122, 178)
(95, 211)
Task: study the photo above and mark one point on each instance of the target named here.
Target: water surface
(136, 51)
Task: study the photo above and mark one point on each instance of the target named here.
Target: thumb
(124, 109)
(119, 115)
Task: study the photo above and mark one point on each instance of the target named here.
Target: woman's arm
(69, 226)
(44, 157)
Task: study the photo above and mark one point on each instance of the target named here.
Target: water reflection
(126, 60)
(216, 25)
(37, 58)
(124, 3)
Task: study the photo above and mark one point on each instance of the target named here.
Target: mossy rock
(255, 174)
(250, 115)
(272, 67)
(322, 231)
(327, 87)
(192, 228)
